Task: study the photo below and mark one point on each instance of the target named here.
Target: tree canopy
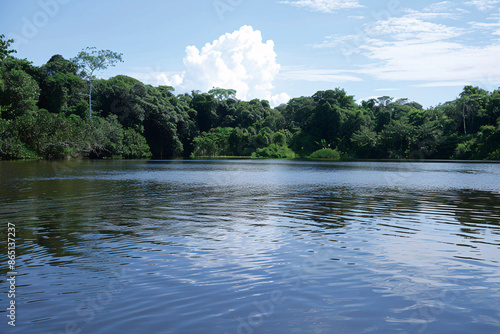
(44, 115)
(5, 47)
(90, 60)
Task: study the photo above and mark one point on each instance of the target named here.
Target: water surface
(252, 247)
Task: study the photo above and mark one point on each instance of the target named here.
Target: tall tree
(4, 47)
(91, 60)
(60, 86)
(472, 107)
(205, 105)
(222, 94)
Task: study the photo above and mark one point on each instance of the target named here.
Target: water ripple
(260, 246)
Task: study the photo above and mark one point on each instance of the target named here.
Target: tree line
(45, 115)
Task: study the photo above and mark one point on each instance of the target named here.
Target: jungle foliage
(45, 115)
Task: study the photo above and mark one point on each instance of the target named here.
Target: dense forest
(45, 115)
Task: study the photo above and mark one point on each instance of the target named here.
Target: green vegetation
(90, 61)
(326, 154)
(45, 113)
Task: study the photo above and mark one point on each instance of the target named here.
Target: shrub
(274, 151)
(325, 153)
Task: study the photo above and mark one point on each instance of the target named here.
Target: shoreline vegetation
(45, 114)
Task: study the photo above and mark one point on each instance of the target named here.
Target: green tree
(365, 142)
(90, 61)
(122, 96)
(326, 123)
(161, 121)
(222, 94)
(135, 146)
(5, 47)
(206, 106)
(279, 139)
(471, 106)
(303, 143)
(297, 113)
(61, 89)
(397, 137)
(11, 146)
(19, 93)
(213, 143)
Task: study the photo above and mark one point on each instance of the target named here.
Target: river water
(252, 246)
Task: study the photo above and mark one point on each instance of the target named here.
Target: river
(251, 246)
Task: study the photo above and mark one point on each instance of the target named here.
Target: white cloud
(407, 28)
(323, 75)
(434, 61)
(439, 10)
(278, 99)
(341, 41)
(413, 49)
(444, 84)
(385, 89)
(483, 5)
(240, 60)
(325, 6)
(154, 76)
(493, 27)
(409, 48)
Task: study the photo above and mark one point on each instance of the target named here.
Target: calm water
(252, 247)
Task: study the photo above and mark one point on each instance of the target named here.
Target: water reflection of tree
(338, 208)
(324, 209)
(477, 211)
(65, 217)
(473, 207)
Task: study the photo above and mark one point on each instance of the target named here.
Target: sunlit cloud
(240, 60)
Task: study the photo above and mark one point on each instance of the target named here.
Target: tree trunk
(463, 117)
(90, 100)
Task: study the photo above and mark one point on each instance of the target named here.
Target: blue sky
(425, 51)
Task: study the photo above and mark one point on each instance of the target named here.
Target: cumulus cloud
(155, 76)
(325, 6)
(240, 60)
(278, 99)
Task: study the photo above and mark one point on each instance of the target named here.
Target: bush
(135, 145)
(465, 150)
(274, 151)
(325, 153)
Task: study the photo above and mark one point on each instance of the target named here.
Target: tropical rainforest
(45, 115)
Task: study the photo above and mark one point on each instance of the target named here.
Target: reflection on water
(253, 247)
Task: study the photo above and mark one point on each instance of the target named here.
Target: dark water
(252, 247)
